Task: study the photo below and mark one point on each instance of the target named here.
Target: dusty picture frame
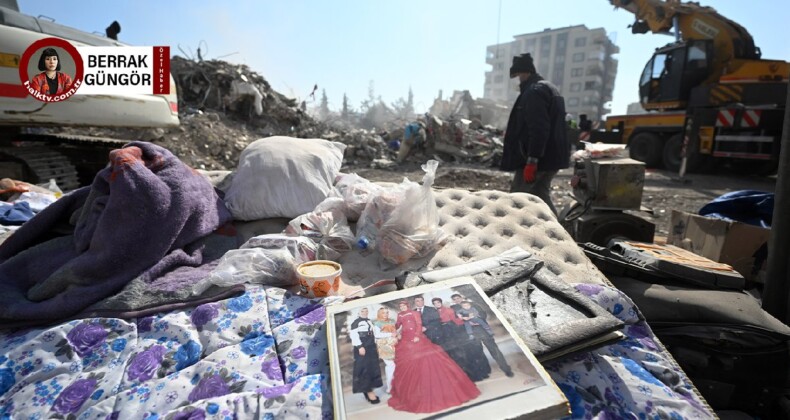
(469, 366)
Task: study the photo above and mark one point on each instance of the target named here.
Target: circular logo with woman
(51, 70)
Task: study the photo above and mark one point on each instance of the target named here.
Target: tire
(672, 158)
(672, 150)
(646, 147)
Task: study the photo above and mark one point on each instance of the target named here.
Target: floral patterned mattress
(264, 355)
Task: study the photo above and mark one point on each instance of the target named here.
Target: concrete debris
(239, 89)
(223, 107)
(462, 105)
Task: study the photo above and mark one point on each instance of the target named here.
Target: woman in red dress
(426, 379)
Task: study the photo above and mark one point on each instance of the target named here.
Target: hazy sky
(427, 45)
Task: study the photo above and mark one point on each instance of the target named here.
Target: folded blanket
(139, 216)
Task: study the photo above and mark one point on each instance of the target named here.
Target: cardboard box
(743, 246)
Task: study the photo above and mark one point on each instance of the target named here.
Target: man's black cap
(522, 64)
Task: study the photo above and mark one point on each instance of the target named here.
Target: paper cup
(319, 278)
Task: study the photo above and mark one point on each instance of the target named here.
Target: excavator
(30, 154)
(710, 94)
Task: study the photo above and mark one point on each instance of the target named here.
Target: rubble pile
(466, 141)
(219, 115)
(223, 107)
(362, 146)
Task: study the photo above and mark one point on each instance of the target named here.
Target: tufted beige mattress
(486, 223)
(479, 224)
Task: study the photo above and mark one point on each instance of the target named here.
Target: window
(559, 59)
(697, 58)
(562, 43)
(543, 69)
(577, 72)
(573, 101)
(576, 87)
(545, 44)
(489, 55)
(499, 79)
(499, 66)
(587, 100)
(596, 56)
(580, 42)
(497, 92)
(488, 79)
(658, 65)
(530, 43)
(578, 57)
(558, 76)
(590, 85)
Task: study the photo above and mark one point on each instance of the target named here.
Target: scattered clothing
(15, 214)
(139, 217)
(752, 207)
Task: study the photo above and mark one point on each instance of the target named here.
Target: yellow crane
(710, 90)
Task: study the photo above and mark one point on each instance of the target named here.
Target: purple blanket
(140, 216)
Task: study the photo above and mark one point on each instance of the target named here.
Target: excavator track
(45, 164)
(71, 160)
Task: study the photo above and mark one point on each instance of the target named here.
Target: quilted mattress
(480, 224)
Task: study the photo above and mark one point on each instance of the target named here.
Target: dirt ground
(662, 193)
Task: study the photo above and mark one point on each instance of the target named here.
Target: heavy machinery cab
(672, 73)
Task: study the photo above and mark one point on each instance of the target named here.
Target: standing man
(431, 325)
(481, 335)
(536, 142)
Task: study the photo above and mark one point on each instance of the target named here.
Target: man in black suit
(431, 325)
(480, 334)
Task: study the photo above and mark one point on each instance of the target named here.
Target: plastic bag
(600, 150)
(328, 229)
(303, 249)
(356, 192)
(403, 222)
(273, 267)
(377, 212)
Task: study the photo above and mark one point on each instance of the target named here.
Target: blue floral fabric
(631, 379)
(260, 355)
(264, 355)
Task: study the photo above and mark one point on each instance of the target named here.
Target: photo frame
(433, 351)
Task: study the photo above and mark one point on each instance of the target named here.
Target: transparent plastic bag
(328, 229)
(378, 211)
(356, 192)
(303, 249)
(403, 222)
(272, 267)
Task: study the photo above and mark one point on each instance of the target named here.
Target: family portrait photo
(428, 354)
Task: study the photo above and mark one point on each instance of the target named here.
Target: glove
(529, 172)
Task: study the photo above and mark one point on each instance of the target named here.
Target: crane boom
(695, 22)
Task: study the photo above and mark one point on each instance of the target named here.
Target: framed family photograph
(434, 351)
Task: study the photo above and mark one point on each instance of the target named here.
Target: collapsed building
(224, 106)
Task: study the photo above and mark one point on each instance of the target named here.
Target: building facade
(577, 59)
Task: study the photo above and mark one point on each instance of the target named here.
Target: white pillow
(283, 177)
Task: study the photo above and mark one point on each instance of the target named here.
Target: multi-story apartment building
(576, 59)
